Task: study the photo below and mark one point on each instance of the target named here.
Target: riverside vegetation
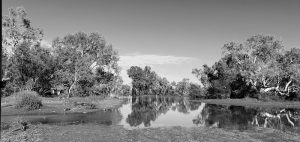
(79, 73)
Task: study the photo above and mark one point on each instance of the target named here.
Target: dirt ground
(96, 133)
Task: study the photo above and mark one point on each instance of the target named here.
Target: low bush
(28, 100)
(85, 105)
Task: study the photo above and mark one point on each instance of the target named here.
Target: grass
(57, 105)
(251, 103)
(93, 133)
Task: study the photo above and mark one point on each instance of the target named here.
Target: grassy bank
(251, 103)
(57, 105)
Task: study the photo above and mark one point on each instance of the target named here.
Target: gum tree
(80, 58)
(21, 64)
(260, 63)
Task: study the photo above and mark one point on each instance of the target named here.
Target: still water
(146, 111)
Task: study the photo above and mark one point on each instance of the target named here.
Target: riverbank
(93, 133)
(252, 103)
(110, 133)
(57, 105)
(95, 103)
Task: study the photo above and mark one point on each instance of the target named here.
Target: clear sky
(172, 36)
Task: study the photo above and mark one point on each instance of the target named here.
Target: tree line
(148, 82)
(80, 64)
(259, 67)
(83, 64)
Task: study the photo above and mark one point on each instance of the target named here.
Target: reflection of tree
(242, 118)
(147, 108)
(280, 118)
(183, 106)
(143, 111)
(202, 116)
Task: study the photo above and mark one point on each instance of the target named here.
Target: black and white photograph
(150, 71)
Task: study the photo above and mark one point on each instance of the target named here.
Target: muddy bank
(93, 133)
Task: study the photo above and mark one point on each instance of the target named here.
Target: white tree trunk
(287, 85)
(71, 87)
(269, 89)
(73, 84)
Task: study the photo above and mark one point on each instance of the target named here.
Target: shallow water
(169, 111)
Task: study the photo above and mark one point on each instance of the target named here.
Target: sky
(171, 36)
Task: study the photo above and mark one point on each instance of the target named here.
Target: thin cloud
(150, 60)
(126, 61)
(45, 43)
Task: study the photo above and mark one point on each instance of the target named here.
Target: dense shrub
(28, 100)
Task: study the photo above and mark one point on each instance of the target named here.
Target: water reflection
(242, 118)
(149, 111)
(146, 111)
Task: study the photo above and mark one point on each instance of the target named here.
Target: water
(169, 111)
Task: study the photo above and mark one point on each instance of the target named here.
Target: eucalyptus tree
(22, 64)
(17, 29)
(183, 87)
(147, 82)
(260, 63)
(289, 65)
(85, 62)
(16, 32)
(138, 80)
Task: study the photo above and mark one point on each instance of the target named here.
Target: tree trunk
(69, 91)
(281, 92)
(254, 59)
(71, 87)
(287, 85)
(269, 89)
